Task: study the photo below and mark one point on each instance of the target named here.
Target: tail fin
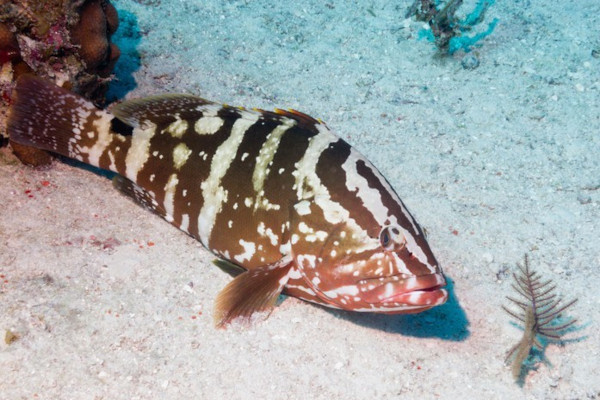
(51, 118)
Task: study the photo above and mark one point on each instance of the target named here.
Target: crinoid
(539, 310)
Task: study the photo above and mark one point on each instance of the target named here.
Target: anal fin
(252, 291)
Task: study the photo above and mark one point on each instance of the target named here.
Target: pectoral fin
(252, 291)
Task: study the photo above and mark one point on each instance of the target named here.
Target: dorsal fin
(299, 116)
(159, 109)
(163, 108)
(303, 120)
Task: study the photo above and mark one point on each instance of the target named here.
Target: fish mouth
(418, 292)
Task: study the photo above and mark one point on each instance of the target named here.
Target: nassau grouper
(279, 198)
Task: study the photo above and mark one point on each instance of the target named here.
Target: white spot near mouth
(349, 290)
(415, 298)
(388, 291)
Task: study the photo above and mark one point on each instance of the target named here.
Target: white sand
(494, 162)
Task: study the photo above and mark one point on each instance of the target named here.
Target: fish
(286, 205)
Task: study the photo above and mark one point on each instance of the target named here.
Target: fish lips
(422, 291)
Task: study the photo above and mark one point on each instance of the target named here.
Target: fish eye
(385, 237)
(391, 238)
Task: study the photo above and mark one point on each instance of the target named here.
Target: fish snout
(412, 291)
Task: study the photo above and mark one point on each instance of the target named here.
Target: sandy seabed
(110, 302)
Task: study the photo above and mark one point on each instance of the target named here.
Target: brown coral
(92, 34)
